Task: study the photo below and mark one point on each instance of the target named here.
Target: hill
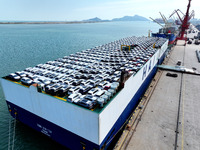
(131, 18)
(96, 19)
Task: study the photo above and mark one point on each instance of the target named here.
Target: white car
(73, 90)
(75, 98)
(93, 91)
(26, 81)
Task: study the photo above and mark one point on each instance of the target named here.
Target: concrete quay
(171, 120)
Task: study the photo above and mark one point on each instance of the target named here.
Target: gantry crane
(184, 21)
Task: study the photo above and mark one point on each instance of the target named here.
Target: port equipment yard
(171, 120)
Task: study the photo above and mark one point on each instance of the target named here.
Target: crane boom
(164, 19)
(156, 22)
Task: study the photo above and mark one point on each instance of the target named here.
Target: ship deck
(171, 119)
(141, 43)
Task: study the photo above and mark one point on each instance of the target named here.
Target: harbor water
(26, 45)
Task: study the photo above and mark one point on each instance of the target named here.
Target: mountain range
(131, 18)
(125, 18)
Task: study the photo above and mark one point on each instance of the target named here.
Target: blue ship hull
(170, 37)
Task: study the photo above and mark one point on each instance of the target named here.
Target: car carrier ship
(82, 100)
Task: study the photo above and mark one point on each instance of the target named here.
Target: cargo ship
(169, 30)
(83, 100)
(170, 36)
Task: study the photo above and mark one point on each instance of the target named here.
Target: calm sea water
(23, 46)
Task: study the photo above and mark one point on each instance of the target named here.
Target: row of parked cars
(87, 93)
(92, 76)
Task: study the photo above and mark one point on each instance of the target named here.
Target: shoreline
(51, 22)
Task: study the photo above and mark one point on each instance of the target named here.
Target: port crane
(167, 24)
(184, 21)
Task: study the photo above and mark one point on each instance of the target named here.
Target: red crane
(185, 21)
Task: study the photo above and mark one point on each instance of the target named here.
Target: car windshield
(88, 97)
(56, 86)
(15, 75)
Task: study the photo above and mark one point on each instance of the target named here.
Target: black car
(87, 103)
(63, 90)
(21, 74)
(48, 88)
(54, 90)
(189, 42)
(85, 89)
(76, 82)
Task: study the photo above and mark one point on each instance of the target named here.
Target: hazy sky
(69, 10)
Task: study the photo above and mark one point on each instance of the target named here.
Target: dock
(168, 116)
